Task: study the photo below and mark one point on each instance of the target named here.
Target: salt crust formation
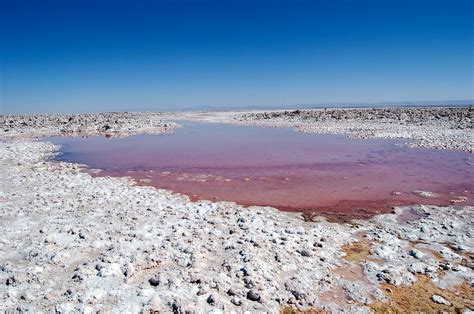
(72, 242)
(442, 128)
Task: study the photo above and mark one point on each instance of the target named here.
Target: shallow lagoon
(333, 175)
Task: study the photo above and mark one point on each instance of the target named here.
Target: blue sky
(88, 56)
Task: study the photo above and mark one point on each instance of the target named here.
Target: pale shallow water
(329, 174)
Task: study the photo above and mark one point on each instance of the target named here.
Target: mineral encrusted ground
(71, 242)
(443, 128)
(108, 124)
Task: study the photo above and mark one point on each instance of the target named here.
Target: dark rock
(154, 281)
(211, 300)
(305, 253)
(10, 281)
(253, 296)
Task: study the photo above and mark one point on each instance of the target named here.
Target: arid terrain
(73, 242)
(443, 128)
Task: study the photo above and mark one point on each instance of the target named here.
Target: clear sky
(86, 56)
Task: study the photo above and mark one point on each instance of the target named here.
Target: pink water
(332, 175)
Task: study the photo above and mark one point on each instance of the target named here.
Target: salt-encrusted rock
(397, 276)
(424, 269)
(110, 270)
(357, 292)
(440, 300)
(416, 254)
(425, 194)
(448, 254)
(462, 248)
(236, 301)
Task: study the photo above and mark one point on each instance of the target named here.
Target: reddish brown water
(332, 175)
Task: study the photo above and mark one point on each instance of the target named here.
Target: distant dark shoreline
(420, 104)
(383, 105)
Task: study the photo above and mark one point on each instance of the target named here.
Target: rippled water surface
(329, 174)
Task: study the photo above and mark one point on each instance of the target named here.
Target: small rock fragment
(252, 295)
(236, 301)
(305, 253)
(440, 300)
(416, 254)
(211, 300)
(154, 281)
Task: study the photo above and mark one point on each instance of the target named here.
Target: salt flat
(72, 242)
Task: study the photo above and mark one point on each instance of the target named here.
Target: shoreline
(75, 242)
(440, 128)
(431, 127)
